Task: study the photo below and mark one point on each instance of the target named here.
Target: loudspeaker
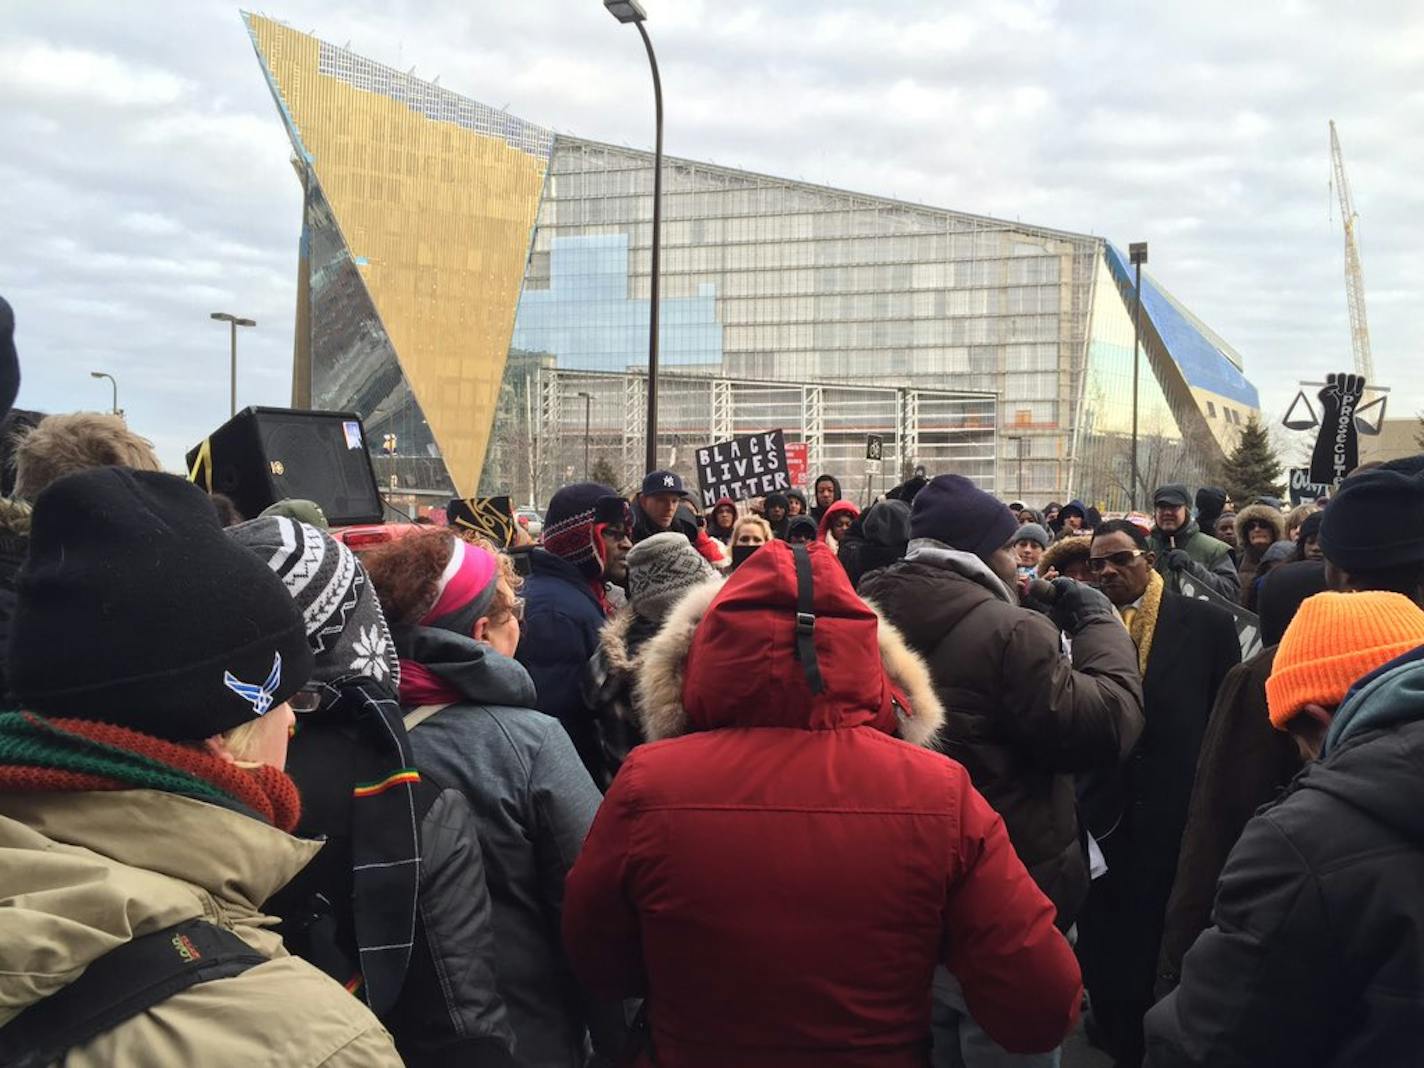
(263, 455)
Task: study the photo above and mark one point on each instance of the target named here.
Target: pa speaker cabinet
(263, 455)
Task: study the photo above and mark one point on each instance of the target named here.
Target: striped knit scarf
(40, 755)
(1144, 623)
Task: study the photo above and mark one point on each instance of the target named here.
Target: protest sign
(1337, 447)
(1302, 489)
(1248, 625)
(798, 462)
(747, 466)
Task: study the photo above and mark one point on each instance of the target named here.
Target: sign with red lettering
(798, 462)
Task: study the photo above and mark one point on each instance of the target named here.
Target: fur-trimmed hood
(1064, 551)
(1261, 513)
(728, 660)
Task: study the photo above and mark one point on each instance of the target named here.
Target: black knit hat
(953, 510)
(1376, 521)
(136, 609)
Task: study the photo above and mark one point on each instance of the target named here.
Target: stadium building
(477, 287)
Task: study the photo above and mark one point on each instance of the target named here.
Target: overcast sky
(144, 179)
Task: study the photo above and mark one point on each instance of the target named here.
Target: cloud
(146, 180)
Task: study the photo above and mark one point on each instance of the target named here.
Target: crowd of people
(786, 783)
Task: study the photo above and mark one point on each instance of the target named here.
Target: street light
(587, 406)
(1137, 253)
(632, 11)
(113, 383)
(1019, 455)
(233, 323)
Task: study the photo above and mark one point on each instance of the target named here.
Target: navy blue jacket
(562, 619)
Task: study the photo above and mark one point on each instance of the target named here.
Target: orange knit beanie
(1335, 639)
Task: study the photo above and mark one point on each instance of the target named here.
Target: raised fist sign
(1337, 447)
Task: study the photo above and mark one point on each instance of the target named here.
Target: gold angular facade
(434, 206)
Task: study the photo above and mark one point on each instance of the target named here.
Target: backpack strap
(806, 619)
(416, 716)
(121, 984)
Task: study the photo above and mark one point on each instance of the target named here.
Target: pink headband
(468, 579)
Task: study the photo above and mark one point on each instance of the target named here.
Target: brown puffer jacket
(1023, 717)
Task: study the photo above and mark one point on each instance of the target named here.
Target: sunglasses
(1123, 559)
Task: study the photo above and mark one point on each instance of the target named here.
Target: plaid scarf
(353, 763)
(40, 755)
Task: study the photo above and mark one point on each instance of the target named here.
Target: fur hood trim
(1262, 513)
(614, 639)
(1064, 551)
(659, 681)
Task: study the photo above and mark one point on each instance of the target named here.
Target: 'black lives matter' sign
(749, 465)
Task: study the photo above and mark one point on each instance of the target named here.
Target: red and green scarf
(40, 755)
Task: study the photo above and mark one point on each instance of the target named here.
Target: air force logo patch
(258, 696)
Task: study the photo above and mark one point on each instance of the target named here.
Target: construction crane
(1354, 276)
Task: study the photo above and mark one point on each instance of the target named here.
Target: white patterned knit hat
(345, 625)
(660, 570)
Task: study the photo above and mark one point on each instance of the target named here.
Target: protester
(1225, 532)
(1282, 552)
(812, 867)
(1066, 558)
(664, 504)
(1181, 548)
(454, 614)
(875, 540)
(1295, 518)
(1211, 503)
(78, 441)
(1185, 647)
(1024, 717)
(801, 530)
(1244, 764)
(1031, 515)
(228, 513)
(835, 522)
(661, 571)
(1071, 518)
(1257, 529)
(750, 533)
(1372, 535)
(796, 503)
(827, 490)
(9, 359)
(585, 543)
(723, 519)
(352, 911)
(1030, 543)
(1316, 956)
(1307, 539)
(141, 790)
(776, 507)
(907, 491)
(1050, 517)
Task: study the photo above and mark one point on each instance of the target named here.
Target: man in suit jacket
(1185, 648)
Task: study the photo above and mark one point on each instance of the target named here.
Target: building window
(1210, 410)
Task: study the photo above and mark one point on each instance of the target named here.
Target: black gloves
(1077, 605)
(1177, 560)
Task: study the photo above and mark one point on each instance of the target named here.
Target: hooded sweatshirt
(816, 510)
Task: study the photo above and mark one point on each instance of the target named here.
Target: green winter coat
(1211, 560)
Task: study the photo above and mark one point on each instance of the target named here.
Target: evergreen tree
(1419, 434)
(1252, 470)
(602, 471)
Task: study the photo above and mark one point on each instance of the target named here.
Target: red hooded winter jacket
(782, 879)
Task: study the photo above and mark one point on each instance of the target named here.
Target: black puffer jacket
(1022, 716)
(608, 691)
(1316, 956)
(438, 997)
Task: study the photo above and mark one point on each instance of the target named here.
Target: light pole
(1019, 456)
(113, 383)
(587, 406)
(632, 11)
(233, 323)
(1137, 252)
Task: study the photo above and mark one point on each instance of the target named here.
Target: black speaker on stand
(263, 455)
